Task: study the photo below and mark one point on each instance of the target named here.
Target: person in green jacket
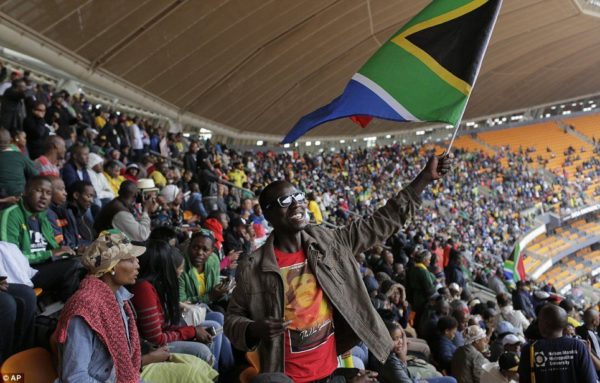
(421, 283)
(15, 168)
(199, 283)
(27, 226)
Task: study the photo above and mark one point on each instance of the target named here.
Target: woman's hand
(202, 335)
(159, 355)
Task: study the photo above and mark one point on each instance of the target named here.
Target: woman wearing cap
(468, 360)
(199, 283)
(97, 325)
(131, 172)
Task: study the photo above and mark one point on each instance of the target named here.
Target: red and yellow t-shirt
(309, 342)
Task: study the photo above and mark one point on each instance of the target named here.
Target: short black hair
(35, 180)
(78, 187)
(446, 323)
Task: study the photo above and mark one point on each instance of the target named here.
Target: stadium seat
(249, 373)
(35, 364)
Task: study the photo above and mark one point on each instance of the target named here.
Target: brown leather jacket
(330, 254)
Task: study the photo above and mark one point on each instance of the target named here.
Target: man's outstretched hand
(437, 167)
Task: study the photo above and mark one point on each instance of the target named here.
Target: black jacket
(37, 134)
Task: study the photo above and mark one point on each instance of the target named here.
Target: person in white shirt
(509, 314)
(104, 192)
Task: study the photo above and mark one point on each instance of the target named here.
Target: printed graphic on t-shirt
(555, 361)
(306, 307)
(38, 242)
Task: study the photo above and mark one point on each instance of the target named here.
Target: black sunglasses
(286, 200)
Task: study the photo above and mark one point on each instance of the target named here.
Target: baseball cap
(107, 250)
(509, 361)
(505, 327)
(511, 339)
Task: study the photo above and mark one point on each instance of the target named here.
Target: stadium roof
(259, 65)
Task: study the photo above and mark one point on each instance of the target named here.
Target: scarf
(96, 304)
(217, 229)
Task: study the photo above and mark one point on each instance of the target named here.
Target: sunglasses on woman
(286, 200)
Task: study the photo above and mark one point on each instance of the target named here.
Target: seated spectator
(386, 263)
(112, 170)
(80, 198)
(156, 299)
(217, 223)
(36, 129)
(589, 332)
(104, 191)
(54, 153)
(97, 326)
(522, 299)
(17, 301)
(62, 220)
(27, 226)
(554, 349)
(395, 369)
(159, 174)
(194, 202)
(237, 238)
(509, 314)
(503, 329)
(76, 168)
(442, 347)
(15, 168)
(131, 172)
(396, 295)
(112, 131)
(170, 198)
(117, 214)
(19, 141)
(505, 371)
(569, 307)
(200, 282)
(453, 272)
(427, 329)
(496, 282)
(313, 207)
(468, 360)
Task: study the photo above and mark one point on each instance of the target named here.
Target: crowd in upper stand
(111, 214)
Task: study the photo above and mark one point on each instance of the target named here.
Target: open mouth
(297, 215)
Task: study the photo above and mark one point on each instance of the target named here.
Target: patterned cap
(110, 248)
(472, 334)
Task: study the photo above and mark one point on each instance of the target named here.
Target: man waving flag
(424, 72)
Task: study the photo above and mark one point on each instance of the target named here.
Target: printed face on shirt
(307, 307)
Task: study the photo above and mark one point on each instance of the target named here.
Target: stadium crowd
(155, 243)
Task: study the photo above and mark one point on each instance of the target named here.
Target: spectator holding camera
(117, 214)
